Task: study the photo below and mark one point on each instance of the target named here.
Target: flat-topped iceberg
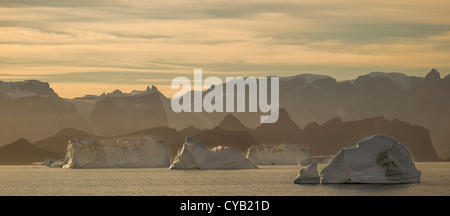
(193, 155)
(277, 155)
(122, 153)
(378, 159)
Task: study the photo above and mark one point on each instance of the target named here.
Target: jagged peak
(283, 115)
(29, 86)
(284, 120)
(433, 75)
(312, 125)
(191, 130)
(117, 91)
(230, 117)
(230, 122)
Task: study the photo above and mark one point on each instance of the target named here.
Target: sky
(89, 47)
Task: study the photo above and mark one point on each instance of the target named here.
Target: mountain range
(325, 139)
(32, 110)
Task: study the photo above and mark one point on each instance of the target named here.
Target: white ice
(193, 155)
(378, 159)
(122, 153)
(308, 175)
(277, 155)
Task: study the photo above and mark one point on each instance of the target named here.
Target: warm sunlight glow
(343, 39)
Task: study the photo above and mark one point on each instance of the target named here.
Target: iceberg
(47, 162)
(57, 164)
(308, 175)
(193, 155)
(277, 155)
(378, 159)
(147, 152)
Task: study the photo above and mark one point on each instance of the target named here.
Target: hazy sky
(87, 46)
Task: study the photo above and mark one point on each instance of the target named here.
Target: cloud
(75, 41)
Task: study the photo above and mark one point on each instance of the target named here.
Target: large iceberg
(277, 155)
(378, 159)
(193, 155)
(122, 153)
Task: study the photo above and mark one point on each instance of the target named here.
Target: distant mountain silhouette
(118, 93)
(26, 88)
(423, 101)
(231, 123)
(58, 142)
(191, 131)
(22, 152)
(35, 113)
(326, 139)
(32, 110)
(333, 135)
(118, 115)
(284, 130)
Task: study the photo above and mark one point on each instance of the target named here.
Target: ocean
(268, 180)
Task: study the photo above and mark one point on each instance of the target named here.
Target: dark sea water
(269, 180)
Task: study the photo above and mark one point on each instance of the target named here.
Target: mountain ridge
(306, 98)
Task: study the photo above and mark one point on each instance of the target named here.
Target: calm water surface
(266, 181)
